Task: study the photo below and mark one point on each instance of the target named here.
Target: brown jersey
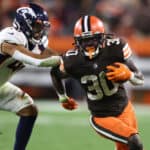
(104, 97)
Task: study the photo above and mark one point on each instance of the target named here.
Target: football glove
(68, 103)
(118, 72)
(50, 61)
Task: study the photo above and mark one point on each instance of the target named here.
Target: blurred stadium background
(56, 128)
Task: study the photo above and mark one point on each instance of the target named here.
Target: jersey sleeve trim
(127, 51)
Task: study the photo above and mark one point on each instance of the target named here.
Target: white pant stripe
(109, 135)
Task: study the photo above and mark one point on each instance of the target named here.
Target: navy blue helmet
(33, 21)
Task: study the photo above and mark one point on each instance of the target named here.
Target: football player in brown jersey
(102, 64)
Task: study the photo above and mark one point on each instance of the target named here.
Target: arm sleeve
(47, 62)
(57, 77)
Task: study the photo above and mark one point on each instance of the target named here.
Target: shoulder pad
(11, 35)
(121, 44)
(113, 41)
(127, 52)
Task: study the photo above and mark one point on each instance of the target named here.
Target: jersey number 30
(98, 85)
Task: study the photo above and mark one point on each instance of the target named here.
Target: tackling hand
(50, 61)
(70, 104)
(118, 72)
(67, 102)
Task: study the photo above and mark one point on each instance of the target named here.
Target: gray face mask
(39, 29)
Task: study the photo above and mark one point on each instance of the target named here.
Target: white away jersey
(8, 65)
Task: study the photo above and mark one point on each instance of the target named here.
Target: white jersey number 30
(98, 85)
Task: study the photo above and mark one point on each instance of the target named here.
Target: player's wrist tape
(132, 76)
(50, 61)
(47, 62)
(62, 97)
(133, 79)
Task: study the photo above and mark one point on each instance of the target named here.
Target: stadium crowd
(123, 17)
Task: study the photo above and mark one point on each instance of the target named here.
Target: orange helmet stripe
(127, 51)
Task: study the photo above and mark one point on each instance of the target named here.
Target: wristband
(134, 80)
(50, 61)
(62, 97)
(132, 76)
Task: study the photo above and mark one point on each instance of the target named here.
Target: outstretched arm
(20, 53)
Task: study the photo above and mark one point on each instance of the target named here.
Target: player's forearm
(47, 62)
(137, 77)
(9, 49)
(57, 82)
(21, 54)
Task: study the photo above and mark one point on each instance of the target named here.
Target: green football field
(59, 129)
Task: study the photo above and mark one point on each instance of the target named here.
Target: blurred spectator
(142, 18)
(65, 12)
(7, 11)
(116, 15)
(56, 13)
(120, 17)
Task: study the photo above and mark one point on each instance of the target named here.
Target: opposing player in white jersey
(23, 43)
